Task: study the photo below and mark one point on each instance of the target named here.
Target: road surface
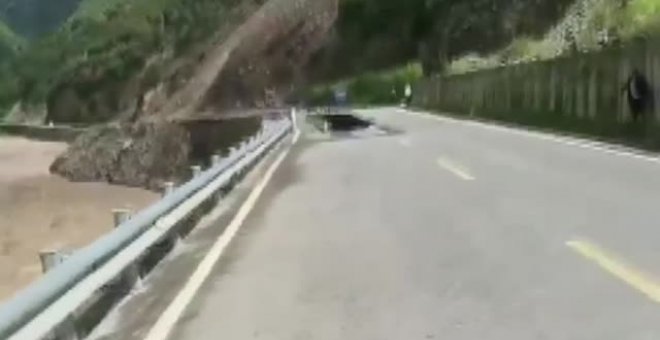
(443, 230)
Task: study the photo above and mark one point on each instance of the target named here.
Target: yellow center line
(457, 170)
(625, 272)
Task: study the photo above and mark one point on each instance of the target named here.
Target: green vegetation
(10, 39)
(106, 44)
(380, 34)
(642, 17)
(589, 25)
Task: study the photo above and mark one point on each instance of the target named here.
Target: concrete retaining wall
(581, 93)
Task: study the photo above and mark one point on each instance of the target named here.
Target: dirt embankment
(39, 211)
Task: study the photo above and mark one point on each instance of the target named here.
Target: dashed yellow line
(456, 169)
(625, 272)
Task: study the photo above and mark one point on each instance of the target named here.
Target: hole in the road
(348, 125)
(345, 122)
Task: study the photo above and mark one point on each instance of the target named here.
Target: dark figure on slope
(638, 90)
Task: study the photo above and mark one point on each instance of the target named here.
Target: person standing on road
(638, 91)
(408, 94)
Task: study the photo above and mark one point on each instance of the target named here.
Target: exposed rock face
(257, 65)
(265, 66)
(140, 155)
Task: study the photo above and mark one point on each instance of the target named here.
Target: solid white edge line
(572, 141)
(457, 170)
(169, 318)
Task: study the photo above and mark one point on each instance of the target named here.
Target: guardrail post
(293, 117)
(196, 170)
(215, 159)
(120, 216)
(168, 188)
(131, 275)
(49, 260)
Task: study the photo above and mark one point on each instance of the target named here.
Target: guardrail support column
(49, 260)
(120, 216)
(196, 170)
(168, 188)
(294, 122)
(131, 275)
(215, 159)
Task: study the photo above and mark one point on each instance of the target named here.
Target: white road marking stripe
(572, 141)
(166, 322)
(456, 169)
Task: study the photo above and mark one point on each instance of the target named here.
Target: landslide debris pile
(138, 155)
(254, 67)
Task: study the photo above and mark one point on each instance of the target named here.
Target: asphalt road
(444, 230)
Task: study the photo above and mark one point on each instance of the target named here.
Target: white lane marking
(572, 141)
(455, 169)
(166, 322)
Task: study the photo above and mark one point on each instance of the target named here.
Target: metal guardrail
(20, 313)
